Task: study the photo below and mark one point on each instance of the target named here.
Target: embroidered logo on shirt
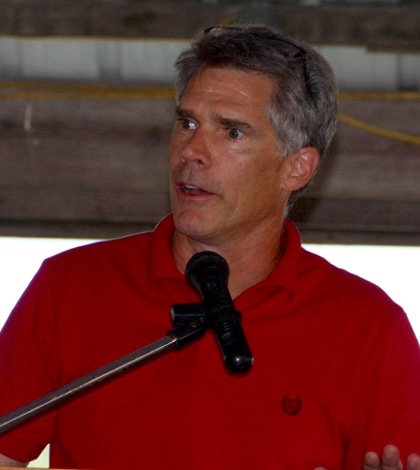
(291, 404)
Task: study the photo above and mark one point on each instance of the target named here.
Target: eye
(187, 124)
(235, 133)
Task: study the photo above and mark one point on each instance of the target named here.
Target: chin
(192, 226)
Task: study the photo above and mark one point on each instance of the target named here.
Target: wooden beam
(380, 27)
(98, 167)
(358, 221)
(80, 160)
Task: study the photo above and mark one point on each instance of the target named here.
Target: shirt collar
(283, 275)
(162, 259)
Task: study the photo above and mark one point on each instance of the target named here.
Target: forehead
(230, 86)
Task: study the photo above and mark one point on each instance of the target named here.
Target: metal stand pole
(174, 338)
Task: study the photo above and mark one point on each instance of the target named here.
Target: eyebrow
(235, 123)
(183, 113)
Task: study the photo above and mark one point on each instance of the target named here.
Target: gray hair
(304, 104)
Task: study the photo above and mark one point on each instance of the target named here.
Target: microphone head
(206, 270)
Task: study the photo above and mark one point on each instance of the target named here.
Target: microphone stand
(208, 273)
(189, 323)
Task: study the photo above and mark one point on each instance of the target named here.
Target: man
(336, 374)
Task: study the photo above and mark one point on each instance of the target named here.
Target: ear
(300, 168)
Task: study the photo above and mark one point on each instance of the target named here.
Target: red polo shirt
(336, 372)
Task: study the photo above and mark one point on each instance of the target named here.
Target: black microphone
(208, 272)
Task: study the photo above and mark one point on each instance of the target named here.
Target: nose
(196, 149)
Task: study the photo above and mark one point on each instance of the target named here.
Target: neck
(250, 261)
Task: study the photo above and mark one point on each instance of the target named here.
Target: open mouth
(192, 190)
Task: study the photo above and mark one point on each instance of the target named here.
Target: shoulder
(324, 283)
(99, 252)
(328, 277)
(136, 248)
(314, 272)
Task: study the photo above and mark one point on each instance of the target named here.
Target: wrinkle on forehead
(242, 88)
(232, 89)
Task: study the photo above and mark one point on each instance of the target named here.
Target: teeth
(188, 188)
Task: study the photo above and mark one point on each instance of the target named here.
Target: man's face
(225, 168)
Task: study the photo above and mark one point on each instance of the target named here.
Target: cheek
(267, 170)
(253, 184)
(173, 159)
(263, 182)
